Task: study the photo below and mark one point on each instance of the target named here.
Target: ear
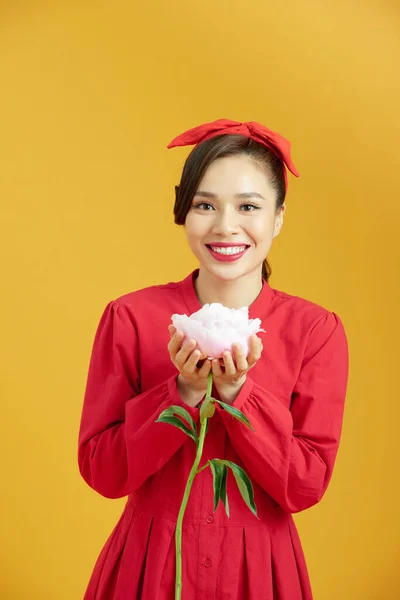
(279, 220)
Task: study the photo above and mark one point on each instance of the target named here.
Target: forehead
(233, 175)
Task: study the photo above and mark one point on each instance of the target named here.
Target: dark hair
(221, 146)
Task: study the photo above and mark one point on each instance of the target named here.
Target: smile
(228, 254)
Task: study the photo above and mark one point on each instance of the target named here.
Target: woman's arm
(291, 453)
(120, 444)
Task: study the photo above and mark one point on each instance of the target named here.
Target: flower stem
(203, 467)
(192, 475)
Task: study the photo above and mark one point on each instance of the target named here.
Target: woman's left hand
(230, 371)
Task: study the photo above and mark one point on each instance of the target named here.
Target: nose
(225, 222)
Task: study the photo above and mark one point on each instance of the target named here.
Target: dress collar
(257, 310)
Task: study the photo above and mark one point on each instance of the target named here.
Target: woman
(231, 201)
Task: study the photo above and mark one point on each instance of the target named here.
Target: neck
(232, 293)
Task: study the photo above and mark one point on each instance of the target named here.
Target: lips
(226, 245)
(227, 257)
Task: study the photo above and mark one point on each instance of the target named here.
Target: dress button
(207, 562)
(210, 519)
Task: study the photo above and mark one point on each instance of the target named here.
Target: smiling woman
(250, 161)
(231, 202)
(244, 229)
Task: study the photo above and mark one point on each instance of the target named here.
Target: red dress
(294, 398)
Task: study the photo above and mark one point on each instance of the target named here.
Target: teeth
(232, 250)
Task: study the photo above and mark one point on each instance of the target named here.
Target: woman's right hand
(193, 379)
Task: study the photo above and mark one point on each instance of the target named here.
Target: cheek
(193, 234)
(262, 231)
(194, 226)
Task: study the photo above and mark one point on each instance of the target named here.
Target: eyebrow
(244, 195)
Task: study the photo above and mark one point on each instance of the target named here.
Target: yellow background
(91, 93)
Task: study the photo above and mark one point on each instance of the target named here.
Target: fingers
(187, 358)
(205, 369)
(182, 357)
(230, 368)
(175, 343)
(256, 347)
(172, 330)
(216, 368)
(190, 365)
(190, 362)
(237, 362)
(227, 363)
(240, 358)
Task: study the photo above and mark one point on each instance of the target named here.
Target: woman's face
(234, 203)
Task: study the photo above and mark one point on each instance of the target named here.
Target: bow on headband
(275, 142)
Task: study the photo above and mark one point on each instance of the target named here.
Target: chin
(227, 272)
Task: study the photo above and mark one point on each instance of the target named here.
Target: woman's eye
(251, 205)
(202, 204)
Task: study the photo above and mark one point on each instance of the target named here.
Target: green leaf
(244, 484)
(207, 409)
(178, 423)
(217, 471)
(222, 493)
(168, 412)
(182, 412)
(203, 407)
(235, 412)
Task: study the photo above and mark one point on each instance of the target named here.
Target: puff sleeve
(120, 445)
(291, 453)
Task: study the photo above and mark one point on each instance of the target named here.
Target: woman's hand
(229, 374)
(192, 380)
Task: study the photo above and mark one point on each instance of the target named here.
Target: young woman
(291, 386)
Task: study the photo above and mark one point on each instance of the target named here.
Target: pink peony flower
(216, 327)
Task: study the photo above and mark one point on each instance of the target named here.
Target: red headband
(275, 142)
